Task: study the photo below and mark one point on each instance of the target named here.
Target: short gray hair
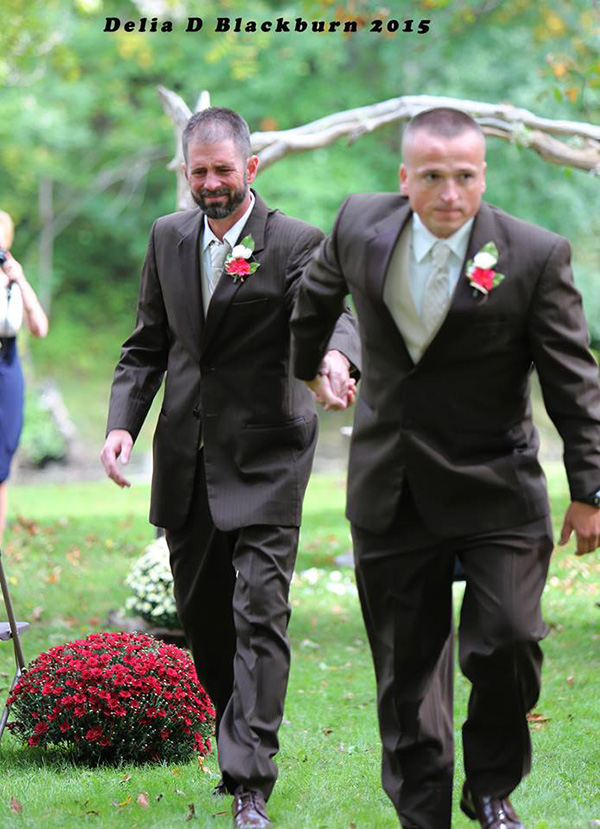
(217, 124)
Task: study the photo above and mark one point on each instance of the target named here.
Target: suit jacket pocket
(285, 424)
(247, 303)
(271, 448)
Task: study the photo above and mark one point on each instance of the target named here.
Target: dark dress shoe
(491, 812)
(249, 810)
(220, 790)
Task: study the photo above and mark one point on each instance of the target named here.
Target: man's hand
(585, 521)
(333, 387)
(118, 444)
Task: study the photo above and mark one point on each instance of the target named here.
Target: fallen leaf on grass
(31, 526)
(570, 680)
(122, 803)
(159, 797)
(73, 556)
(352, 826)
(536, 720)
(143, 800)
(36, 614)
(327, 731)
(191, 812)
(126, 779)
(179, 792)
(16, 807)
(53, 576)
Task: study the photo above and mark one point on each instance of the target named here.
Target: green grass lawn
(67, 551)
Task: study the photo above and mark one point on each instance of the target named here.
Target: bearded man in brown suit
(235, 437)
(456, 302)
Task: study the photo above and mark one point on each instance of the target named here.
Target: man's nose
(449, 192)
(212, 181)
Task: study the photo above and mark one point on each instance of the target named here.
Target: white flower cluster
(151, 581)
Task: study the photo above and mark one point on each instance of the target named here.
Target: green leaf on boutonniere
(247, 242)
(490, 247)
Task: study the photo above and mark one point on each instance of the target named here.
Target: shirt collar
(423, 239)
(233, 234)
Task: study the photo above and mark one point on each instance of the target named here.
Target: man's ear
(403, 180)
(185, 172)
(484, 182)
(252, 168)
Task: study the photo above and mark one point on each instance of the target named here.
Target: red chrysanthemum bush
(114, 697)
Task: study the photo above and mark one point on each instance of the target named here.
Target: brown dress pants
(405, 586)
(231, 591)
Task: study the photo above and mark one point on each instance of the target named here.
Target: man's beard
(220, 211)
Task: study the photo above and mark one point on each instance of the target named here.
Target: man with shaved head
(456, 302)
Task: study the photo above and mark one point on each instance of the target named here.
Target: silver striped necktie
(218, 254)
(435, 300)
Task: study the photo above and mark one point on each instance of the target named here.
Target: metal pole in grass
(10, 630)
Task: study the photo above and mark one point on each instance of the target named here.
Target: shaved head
(441, 122)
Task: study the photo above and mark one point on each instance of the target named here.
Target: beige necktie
(435, 301)
(218, 254)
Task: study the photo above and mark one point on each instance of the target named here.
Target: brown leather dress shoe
(249, 810)
(491, 812)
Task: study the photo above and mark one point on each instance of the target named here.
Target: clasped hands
(333, 387)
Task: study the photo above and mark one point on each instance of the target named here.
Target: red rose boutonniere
(237, 264)
(480, 270)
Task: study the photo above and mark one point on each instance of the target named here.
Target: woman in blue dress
(18, 302)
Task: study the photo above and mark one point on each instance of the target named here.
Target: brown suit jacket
(457, 425)
(228, 377)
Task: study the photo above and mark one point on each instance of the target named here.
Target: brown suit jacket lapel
(483, 231)
(379, 252)
(226, 288)
(189, 275)
(380, 248)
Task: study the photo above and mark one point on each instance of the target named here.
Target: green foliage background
(79, 107)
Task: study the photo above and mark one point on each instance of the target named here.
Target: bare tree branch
(179, 112)
(578, 145)
(500, 120)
